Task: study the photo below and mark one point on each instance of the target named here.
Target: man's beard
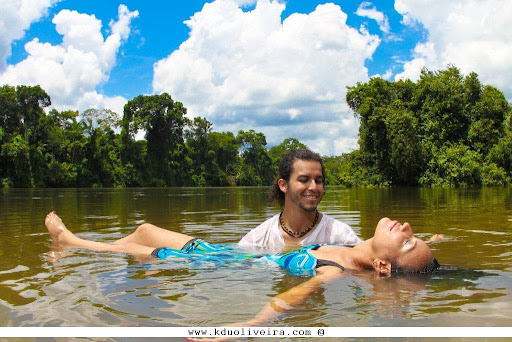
(308, 209)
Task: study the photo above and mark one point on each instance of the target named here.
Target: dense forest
(445, 129)
(65, 149)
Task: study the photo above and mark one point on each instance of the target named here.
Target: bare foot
(58, 231)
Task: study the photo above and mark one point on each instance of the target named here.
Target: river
(42, 287)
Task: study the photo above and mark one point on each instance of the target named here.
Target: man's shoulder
(339, 232)
(331, 220)
(262, 234)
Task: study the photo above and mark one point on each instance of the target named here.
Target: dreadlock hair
(286, 169)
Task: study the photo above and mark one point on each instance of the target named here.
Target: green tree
(453, 165)
(196, 134)
(163, 121)
(443, 114)
(31, 101)
(501, 155)
(10, 119)
(21, 111)
(488, 115)
(65, 150)
(408, 129)
(355, 172)
(255, 164)
(405, 157)
(16, 156)
(278, 151)
(223, 151)
(388, 133)
(103, 153)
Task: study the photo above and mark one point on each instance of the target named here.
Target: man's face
(306, 185)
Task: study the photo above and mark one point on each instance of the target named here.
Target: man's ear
(283, 185)
(381, 266)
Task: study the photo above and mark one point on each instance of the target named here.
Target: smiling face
(395, 242)
(305, 187)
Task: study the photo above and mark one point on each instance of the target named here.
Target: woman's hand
(435, 238)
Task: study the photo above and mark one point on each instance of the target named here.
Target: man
(298, 189)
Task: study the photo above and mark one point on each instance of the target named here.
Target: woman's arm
(284, 302)
(288, 300)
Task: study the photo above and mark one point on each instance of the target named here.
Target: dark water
(473, 288)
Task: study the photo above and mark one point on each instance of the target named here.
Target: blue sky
(280, 68)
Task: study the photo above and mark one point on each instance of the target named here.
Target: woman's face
(396, 243)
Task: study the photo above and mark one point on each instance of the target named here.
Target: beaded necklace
(293, 234)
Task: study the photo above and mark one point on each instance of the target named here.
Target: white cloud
(70, 72)
(246, 3)
(474, 35)
(16, 16)
(250, 70)
(368, 10)
(386, 76)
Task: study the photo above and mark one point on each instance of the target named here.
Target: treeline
(443, 130)
(65, 149)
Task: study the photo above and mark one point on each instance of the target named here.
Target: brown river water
(82, 288)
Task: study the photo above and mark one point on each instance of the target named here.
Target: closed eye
(410, 244)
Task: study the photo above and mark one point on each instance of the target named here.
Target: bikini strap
(322, 262)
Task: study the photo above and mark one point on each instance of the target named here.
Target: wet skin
(395, 241)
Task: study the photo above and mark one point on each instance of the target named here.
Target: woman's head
(398, 250)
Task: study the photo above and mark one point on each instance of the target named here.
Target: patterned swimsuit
(299, 262)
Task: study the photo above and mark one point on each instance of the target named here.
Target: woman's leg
(62, 236)
(152, 236)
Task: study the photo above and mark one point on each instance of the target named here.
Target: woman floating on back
(392, 249)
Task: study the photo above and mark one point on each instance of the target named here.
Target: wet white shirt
(329, 230)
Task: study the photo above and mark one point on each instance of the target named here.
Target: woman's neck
(362, 255)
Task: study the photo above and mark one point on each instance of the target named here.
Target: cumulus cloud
(246, 3)
(15, 18)
(368, 10)
(70, 71)
(474, 35)
(251, 70)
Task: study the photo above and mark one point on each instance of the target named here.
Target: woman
(393, 248)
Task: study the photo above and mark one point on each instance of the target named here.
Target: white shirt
(329, 230)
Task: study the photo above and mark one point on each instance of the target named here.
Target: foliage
(255, 164)
(163, 120)
(72, 149)
(445, 129)
(453, 164)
